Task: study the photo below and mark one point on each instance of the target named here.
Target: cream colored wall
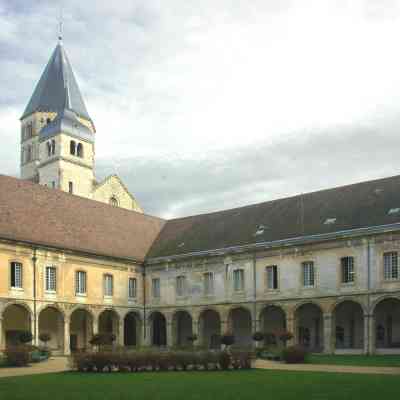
(67, 265)
(112, 187)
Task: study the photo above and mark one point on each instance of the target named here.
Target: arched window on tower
(79, 150)
(72, 147)
(48, 146)
(53, 147)
(114, 201)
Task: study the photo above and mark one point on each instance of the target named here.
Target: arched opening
(51, 321)
(108, 322)
(72, 147)
(348, 318)
(210, 329)
(131, 329)
(53, 147)
(48, 146)
(113, 201)
(273, 321)
(182, 328)
(158, 325)
(79, 150)
(239, 321)
(309, 323)
(81, 329)
(387, 324)
(16, 319)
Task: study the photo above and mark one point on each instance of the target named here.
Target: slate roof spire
(57, 88)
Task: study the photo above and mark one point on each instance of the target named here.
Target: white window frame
(80, 283)
(17, 267)
(156, 288)
(238, 280)
(181, 286)
(390, 266)
(347, 270)
(108, 285)
(271, 272)
(51, 279)
(308, 274)
(208, 287)
(132, 288)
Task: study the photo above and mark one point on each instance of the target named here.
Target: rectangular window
(272, 277)
(132, 288)
(51, 279)
(155, 288)
(53, 184)
(390, 266)
(16, 275)
(208, 283)
(238, 280)
(181, 285)
(308, 274)
(80, 282)
(70, 187)
(347, 264)
(108, 285)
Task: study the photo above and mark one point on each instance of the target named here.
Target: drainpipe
(254, 291)
(144, 302)
(34, 259)
(368, 294)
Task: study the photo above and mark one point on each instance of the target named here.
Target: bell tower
(57, 133)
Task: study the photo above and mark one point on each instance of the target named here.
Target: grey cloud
(179, 187)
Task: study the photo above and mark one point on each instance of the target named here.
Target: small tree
(25, 337)
(258, 336)
(102, 339)
(192, 339)
(45, 337)
(284, 337)
(228, 339)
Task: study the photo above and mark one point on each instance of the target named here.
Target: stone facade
(361, 316)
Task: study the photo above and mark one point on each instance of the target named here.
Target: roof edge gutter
(299, 240)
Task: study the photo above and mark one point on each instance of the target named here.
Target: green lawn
(361, 360)
(253, 384)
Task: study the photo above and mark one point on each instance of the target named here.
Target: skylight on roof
(330, 221)
(260, 230)
(394, 211)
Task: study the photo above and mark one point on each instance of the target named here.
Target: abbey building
(79, 257)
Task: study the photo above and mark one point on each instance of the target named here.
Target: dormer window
(48, 120)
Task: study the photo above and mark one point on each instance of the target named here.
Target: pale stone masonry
(323, 266)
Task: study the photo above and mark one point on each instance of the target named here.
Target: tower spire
(60, 25)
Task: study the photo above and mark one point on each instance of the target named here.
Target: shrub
(17, 356)
(25, 337)
(45, 337)
(294, 355)
(102, 339)
(258, 336)
(224, 360)
(227, 339)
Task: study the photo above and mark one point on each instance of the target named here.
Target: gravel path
(54, 364)
(264, 364)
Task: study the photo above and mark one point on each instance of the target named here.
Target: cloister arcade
(345, 326)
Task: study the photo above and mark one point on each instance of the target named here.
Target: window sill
(81, 294)
(16, 289)
(272, 291)
(309, 287)
(393, 280)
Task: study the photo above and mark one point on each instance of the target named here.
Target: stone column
(290, 327)
(224, 327)
(147, 341)
(170, 337)
(1, 334)
(35, 330)
(195, 331)
(95, 325)
(369, 334)
(327, 320)
(120, 333)
(67, 347)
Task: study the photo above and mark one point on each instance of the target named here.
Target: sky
(202, 105)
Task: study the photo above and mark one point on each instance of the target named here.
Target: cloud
(202, 105)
